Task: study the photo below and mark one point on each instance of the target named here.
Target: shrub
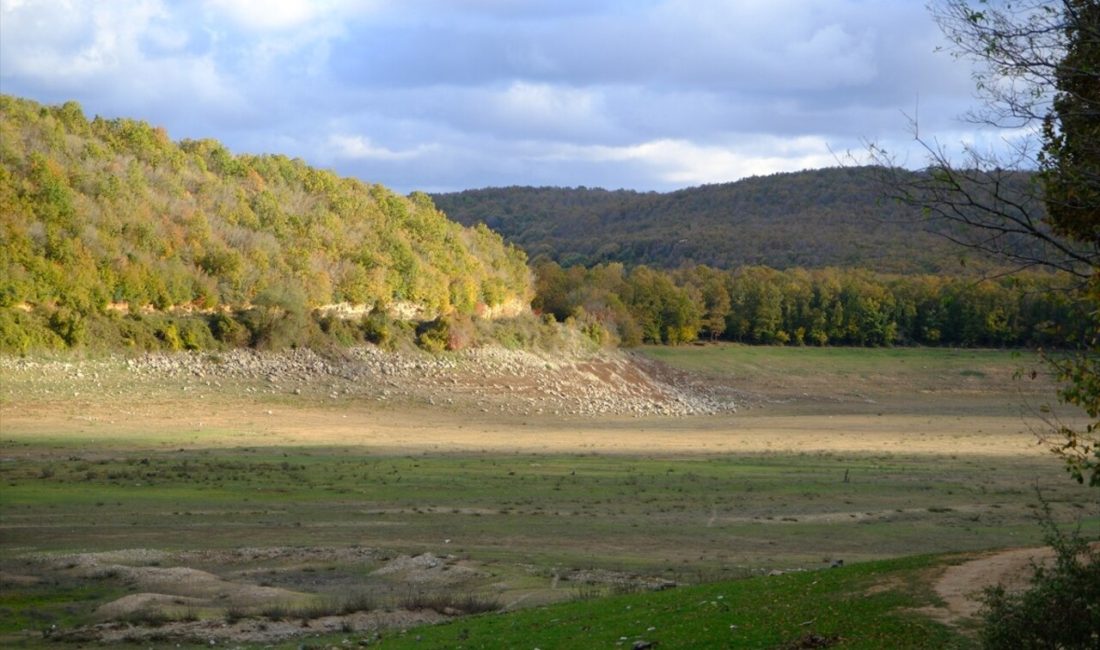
(447, 603)
(461, 333)
(377, 328)
(432, 336)
(22, 331)
(228, 331)
(358, 602)
(279, 321)
(194, 334)
(339, 330)
(138, 332)
(68, 324)
(170, 336)
(525, 331)
(1061, 607)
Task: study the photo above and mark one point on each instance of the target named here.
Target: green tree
(1071, 175)
(1071, 149)
(1036, 64)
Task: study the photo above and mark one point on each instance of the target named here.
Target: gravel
(486, 380)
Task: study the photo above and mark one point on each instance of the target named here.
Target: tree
(1071, 131)
(1037, 72)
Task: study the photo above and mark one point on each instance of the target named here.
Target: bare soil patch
(960, 586)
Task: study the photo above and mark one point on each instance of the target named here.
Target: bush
(279, 320)
(447, 603)
(195, 334)
(228, 331)
(433, 336)
(1060, 609)
(22, 331)
(170, 336)
(519, 333)
(377, 329)
(69, 325)
(339, 330)
(461, 332)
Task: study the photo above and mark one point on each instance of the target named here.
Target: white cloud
(682, 162)
(267, 15)
(92, 50)
(541, 108)
(357, 147)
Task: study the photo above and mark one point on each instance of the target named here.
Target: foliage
(807, 307)
(1079, 373)
(1061, 606)
(812, 219)
(1071, 150)
(102, 212)
(1036, 65)
(1071, 165)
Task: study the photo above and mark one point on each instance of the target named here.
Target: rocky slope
(482, 380)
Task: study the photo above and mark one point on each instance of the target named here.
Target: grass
(35, 609)
(869, 605)
(201, 476)
(721, 513)
(761, 360)
(874, 380)
(448, 603)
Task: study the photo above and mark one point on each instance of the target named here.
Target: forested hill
(111, 212)
(813, 219)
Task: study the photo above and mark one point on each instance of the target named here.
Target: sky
(444, 95)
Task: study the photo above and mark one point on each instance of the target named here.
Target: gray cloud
(445, 94)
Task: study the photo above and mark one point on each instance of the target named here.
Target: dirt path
(961, 585)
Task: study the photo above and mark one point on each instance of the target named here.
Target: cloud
(681, 163)
(127, 57)
(649, 94)
(267, 15)
(361, 148)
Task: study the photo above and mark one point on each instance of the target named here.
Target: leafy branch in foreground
(1060, 609)
(1037, 72)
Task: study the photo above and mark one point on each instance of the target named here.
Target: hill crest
(834, 217)
(108, 211)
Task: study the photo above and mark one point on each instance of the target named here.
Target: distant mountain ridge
(839, 217)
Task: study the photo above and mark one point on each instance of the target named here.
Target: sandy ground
(156, 423)
(961, 586)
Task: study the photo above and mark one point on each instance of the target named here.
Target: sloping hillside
(829, 217)
(100, 213)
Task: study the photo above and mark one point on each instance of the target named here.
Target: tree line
(829, 306)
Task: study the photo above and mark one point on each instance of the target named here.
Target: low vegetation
(867, 606)
(1060, 608)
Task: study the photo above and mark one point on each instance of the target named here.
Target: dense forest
(807, 307)
(839, 217)
(109, 215)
